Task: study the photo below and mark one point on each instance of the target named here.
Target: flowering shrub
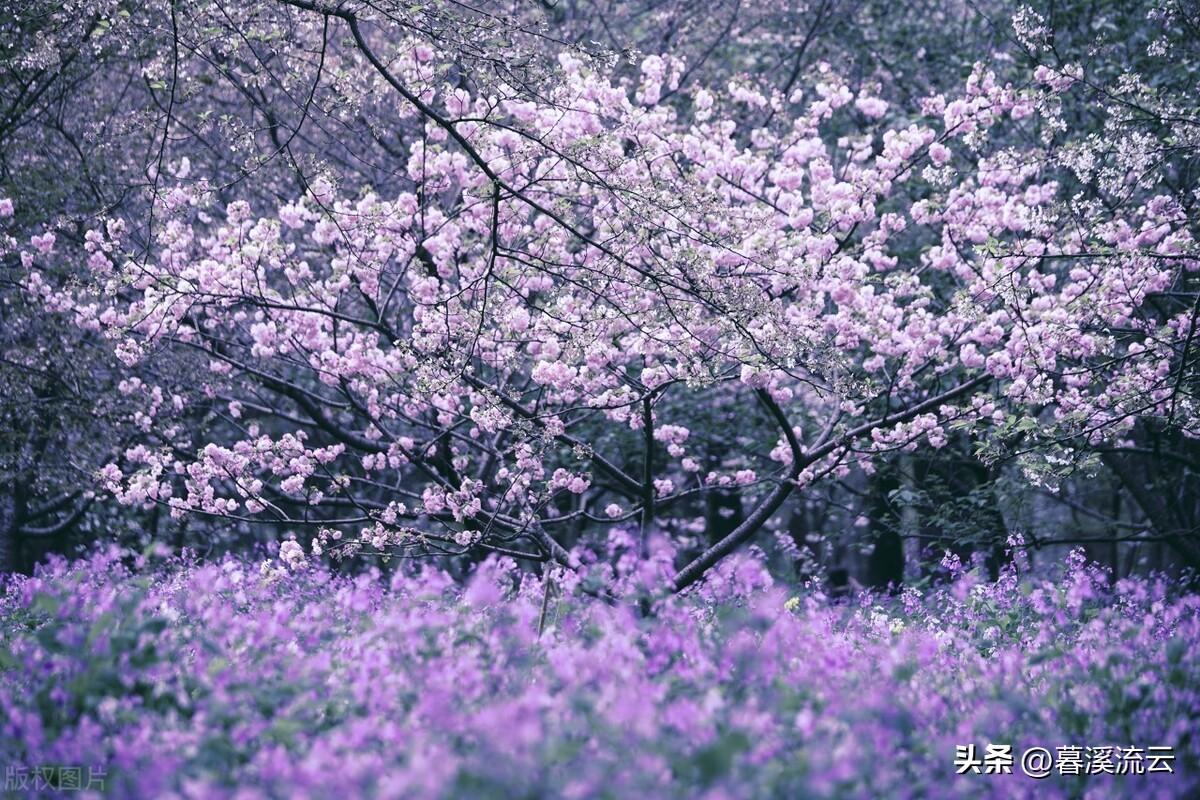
(192, 679)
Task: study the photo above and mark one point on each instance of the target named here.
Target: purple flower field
(174, 678)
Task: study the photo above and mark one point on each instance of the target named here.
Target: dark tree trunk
(723, 513)
(885, 567)
(1169, 522)
(8, 531)
(798, 528)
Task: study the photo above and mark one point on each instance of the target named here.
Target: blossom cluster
(470, 341)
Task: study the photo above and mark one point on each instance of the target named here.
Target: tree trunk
(885, 565)
(723, 512)
(1152, 502)
(8, 531)
(910, 523)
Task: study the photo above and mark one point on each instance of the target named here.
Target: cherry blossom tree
(525, 297)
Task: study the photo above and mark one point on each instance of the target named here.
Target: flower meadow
(178, 677)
